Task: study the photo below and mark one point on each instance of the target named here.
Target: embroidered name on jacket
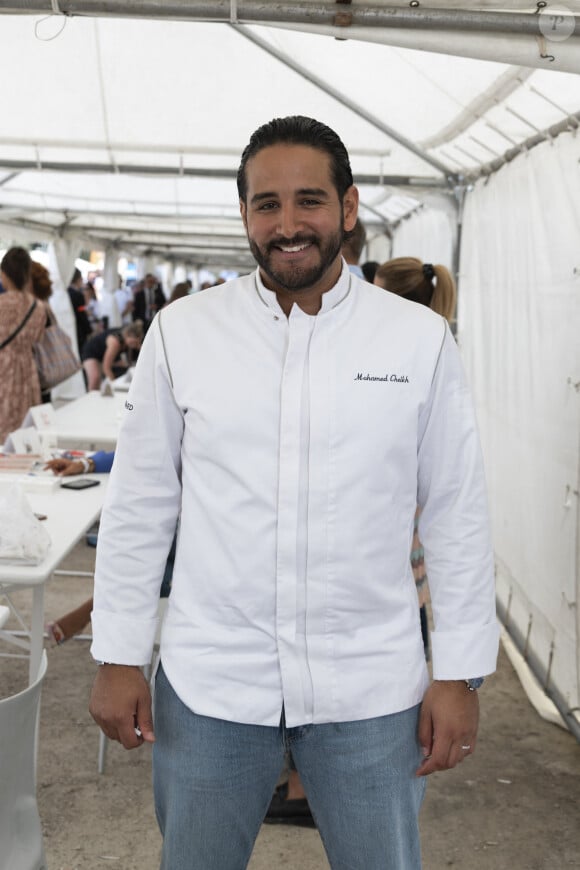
(399, 379)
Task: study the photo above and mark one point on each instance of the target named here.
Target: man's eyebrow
(304, 191)
(313, 191)
(259, 197)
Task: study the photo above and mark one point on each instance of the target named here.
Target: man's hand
(447, 725)
(121, 705)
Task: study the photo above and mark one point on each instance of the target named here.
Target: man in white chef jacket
(293, 419)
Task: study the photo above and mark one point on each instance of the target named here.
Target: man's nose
(289, 221)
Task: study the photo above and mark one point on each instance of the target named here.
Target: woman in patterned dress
(19, 384)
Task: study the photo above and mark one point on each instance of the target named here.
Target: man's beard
(298, 277)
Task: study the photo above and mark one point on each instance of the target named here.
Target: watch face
(475, 682)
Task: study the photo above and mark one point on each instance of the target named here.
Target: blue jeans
(213, 781)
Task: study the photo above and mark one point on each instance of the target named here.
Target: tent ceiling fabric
(129, 131)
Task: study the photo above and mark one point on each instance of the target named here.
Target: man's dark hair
(75, 276)
(354, 242)
(299, 130)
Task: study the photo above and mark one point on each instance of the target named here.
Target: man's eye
(267, 206)
(310, 203)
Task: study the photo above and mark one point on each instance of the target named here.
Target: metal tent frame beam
(144, 148)
(502, 88)
(571, 123)
(329, 14)
(171, 171)
(349, 104)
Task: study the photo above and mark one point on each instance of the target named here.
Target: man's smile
(293, 246)
(294, 249)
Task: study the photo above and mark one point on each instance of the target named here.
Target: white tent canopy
(132, 129)
(123, 124)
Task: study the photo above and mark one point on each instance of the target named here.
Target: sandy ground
(514, 805)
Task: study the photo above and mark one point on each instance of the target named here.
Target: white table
(69, 514)
(123, 382)
(90, 422)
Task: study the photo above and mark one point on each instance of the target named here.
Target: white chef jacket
(295, 450)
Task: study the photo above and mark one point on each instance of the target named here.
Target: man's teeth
(294, 248)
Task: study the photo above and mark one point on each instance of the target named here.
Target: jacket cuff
(121, 639)
(466, 653)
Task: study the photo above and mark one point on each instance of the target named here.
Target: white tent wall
(378, 247)
(430, 233)
(519, 313)
(166, 274)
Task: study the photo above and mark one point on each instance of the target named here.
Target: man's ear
(243, 212)
(350, 208)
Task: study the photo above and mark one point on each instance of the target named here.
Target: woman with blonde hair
(425, 283)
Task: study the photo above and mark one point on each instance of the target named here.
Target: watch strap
(474, 683)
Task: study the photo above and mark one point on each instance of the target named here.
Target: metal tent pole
(350, 104)
(199, 172)
(246, 11)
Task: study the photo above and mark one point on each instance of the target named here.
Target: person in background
(294, 418)
(101, 354)
(425, 283)
(434, 287)
(40, 283)
(352, 247)
(73, 622)
(41, 287)
(77, 298)
(92, 308)
(124, 300)
(148, 300)
(76, 620)
(22, 322)
(179, 291)
(369, 270)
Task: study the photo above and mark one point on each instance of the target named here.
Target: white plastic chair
(148, 670)
(21, 845)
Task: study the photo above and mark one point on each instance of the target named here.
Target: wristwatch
(474, 683)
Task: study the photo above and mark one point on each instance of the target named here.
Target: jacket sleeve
(140, 514)
(103, 461)
(454, 526)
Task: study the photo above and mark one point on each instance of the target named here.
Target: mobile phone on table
(81, 483)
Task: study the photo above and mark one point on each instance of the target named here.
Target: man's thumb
(145, 720)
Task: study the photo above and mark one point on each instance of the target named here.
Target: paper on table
(23, 441)
(23, 538)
